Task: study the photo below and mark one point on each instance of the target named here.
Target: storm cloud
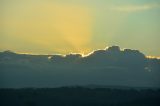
(110, 66)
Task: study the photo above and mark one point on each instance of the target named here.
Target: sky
(79, 26)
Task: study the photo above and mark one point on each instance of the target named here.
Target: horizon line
(83, 55)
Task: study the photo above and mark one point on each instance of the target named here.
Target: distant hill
(79, 96)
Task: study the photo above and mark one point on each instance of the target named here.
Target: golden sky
(80, 26)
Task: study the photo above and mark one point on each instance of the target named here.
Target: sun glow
(78, 26)
(63, 28)
(153, 57)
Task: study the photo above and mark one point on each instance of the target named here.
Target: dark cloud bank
(112, 67)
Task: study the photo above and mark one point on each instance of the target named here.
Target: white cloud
(134, 8)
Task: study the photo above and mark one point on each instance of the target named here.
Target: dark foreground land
(79, 96)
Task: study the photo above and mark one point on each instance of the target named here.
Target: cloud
(135, 8)
(111, 66)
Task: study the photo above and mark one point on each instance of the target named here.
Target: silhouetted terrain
(79, 96)
(111, 66)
